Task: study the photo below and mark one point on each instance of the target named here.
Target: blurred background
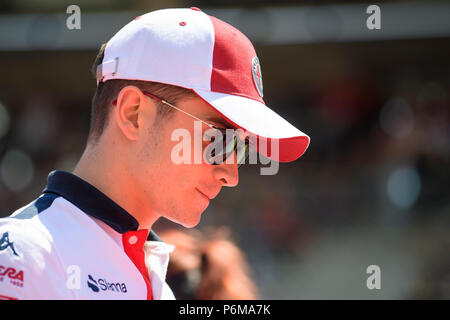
(373, 187)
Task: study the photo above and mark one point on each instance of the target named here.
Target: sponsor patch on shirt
(5, 243)
(15, 276)
(102, 284)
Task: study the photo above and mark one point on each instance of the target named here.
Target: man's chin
(190, 225)
(187, 222)
(192, 218)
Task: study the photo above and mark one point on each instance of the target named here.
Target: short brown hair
(107, 92)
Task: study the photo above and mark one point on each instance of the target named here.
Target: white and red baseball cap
(190, 49)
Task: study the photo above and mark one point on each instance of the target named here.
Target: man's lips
(207, 196)
(204, 195)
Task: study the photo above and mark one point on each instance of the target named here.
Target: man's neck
(98, 170)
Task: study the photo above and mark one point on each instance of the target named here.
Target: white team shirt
(73, 242)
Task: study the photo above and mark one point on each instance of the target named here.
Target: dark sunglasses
(223, 143)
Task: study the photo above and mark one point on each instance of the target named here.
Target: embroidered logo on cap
(257, 76)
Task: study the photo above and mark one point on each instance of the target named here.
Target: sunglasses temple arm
(154, 97)
(171, 105)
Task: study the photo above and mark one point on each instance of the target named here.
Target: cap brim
(258, 119)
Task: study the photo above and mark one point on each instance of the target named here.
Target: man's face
(179, 192)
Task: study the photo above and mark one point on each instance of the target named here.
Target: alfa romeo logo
(257, 76)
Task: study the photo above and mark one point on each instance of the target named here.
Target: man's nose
(227, 174)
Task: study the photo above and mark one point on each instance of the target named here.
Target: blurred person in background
(208, 266)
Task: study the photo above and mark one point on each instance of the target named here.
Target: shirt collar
(92, 201)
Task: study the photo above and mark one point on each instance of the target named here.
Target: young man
(166, 75)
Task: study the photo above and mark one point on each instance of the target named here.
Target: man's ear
(131, 107)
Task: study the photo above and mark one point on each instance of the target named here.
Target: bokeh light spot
(17, 170)
(403, 187)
